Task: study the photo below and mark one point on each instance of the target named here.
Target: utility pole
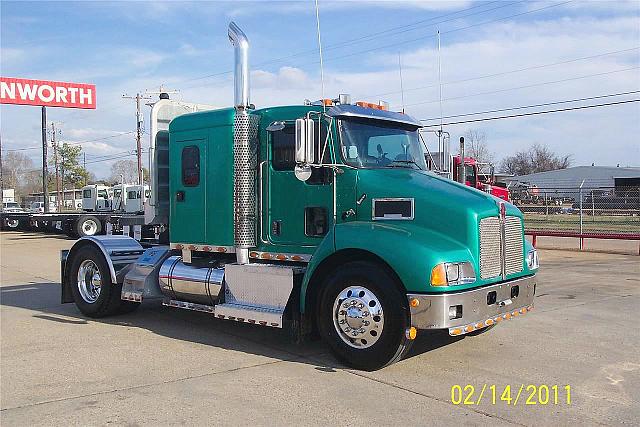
(139, 122)
(84, 166)
(55, 160)
(45, 190)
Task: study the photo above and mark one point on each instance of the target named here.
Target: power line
(546, 104)
(448, 32)
(534, 113)
(369, 36)
(526, 86)
(534, 67)
(403, 42)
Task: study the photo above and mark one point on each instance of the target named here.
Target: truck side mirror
(305, 148)
(305, 141)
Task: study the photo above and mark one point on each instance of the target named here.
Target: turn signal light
(439, 275)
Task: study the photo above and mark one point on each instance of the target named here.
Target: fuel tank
(200, 284)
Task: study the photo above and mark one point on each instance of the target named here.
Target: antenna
(401, 84)
(440, 141)
(324, 107)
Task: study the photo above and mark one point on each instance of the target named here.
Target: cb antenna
(324, 107)
(401, 84)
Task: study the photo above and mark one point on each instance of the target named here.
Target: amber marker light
(469, 328)
(439, 275)
(411, 333)
(414, 302)
(456, 332)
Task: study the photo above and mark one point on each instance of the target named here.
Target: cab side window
(191, 166)
(283, 146)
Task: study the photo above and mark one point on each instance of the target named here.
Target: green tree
(72, 174)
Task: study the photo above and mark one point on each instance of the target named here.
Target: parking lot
(161, 365)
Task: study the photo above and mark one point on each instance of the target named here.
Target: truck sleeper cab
(315, 217)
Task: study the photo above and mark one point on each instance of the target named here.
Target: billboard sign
(47, 93)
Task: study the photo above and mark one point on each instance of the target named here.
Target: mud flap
(66, 295)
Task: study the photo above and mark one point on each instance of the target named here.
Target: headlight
(452, 273)
(532, 260)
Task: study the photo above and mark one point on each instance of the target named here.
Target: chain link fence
(605, 212)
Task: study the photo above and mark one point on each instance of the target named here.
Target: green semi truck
(320, 218)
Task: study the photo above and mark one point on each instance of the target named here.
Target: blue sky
(495, 55)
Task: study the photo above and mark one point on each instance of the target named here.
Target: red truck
(477, 176)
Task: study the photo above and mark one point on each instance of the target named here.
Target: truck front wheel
(363, 316)
(91, 286)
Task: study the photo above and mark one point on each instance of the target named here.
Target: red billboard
(47, 93)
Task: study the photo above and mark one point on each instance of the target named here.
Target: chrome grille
(492, 247)
(513, 245)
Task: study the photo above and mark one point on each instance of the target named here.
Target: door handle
(180, 196)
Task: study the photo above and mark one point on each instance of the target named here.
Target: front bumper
(466, 311)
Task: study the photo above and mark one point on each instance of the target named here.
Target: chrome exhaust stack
(245, 160)
(241, 78)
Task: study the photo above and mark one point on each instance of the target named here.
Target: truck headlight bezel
(453, 273)
(533, 262)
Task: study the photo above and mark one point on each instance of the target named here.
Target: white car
(11, 207)
(38, 207)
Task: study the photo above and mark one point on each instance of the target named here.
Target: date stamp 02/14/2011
(523, 394)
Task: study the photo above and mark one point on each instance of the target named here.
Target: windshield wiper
(407, 162)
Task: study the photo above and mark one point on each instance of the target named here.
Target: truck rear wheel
(363, 316)
(91, 286)
(88, 226)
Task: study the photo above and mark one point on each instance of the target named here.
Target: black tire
(88, 225)
(480, 331)
(392, 343)
(11, 224)
(108, 301)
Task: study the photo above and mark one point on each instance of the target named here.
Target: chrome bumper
(466, 311)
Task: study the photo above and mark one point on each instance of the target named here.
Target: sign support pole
(45, 191)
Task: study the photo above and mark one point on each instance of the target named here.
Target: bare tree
(538, 158)
(476, 146)
(19, 173)
(126, 171)
(15, 165)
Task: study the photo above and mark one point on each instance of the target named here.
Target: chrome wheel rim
(12, 223)
(89, 227)
(89, 281)
(358, 317)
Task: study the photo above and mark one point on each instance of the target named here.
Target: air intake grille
(491, 247)
(513, 245)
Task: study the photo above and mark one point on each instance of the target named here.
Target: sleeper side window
(191, 166)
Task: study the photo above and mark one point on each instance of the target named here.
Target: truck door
(295, 213)
(188, 220)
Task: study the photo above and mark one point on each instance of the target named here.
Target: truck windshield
(375, 144)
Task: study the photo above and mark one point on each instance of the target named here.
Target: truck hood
(440, 205)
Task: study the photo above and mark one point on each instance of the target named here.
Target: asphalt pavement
(169, 366)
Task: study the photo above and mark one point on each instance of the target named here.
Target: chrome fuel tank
(189, 283)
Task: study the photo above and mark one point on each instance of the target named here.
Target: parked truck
(319, 218)
(476, 174)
